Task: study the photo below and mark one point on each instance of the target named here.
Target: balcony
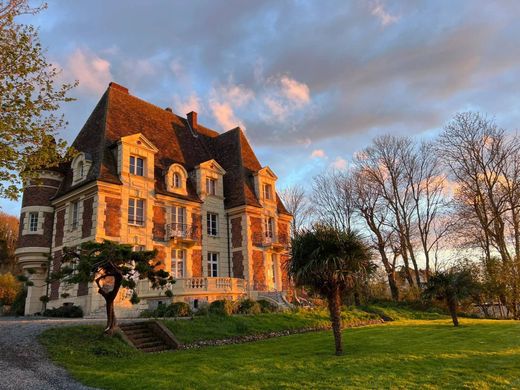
(196, 286)
(278, 242)
(188, 234)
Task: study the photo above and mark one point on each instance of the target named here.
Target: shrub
(177, 309)
(203, 310)
(247, 306)
(221, 307)
(18, 306)
(10, 287)
(68, 311)
(266, 306)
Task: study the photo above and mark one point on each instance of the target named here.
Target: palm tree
(451, 286)
(329, 261)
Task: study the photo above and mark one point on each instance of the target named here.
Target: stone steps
(148, 336)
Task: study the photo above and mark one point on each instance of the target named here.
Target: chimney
(192, 119)
(118, 87)
(169, 109)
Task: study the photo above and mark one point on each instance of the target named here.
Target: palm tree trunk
(334, 301)
(452, 307)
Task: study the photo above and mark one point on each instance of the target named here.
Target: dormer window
(137, 166)
(177, 180)
(268, 191)
(80, 170)
(211, 186)
(80, 167)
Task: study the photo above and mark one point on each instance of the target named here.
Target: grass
(208, 328)
(429, 354)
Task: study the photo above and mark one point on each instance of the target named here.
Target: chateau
(148, 177)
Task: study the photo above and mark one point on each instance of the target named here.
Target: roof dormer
(210, 179)
(265, 185)
(136, 156)
(176, 179)
(80, 167)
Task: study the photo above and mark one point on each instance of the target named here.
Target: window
(212, 224)
(268, 191)
(80, 170)
(33, 222)
(211, 186)
(138, 248)
(74, 215)
(136, 166)
(269, 227)
(178, 215)
(178, 256)
(177, 180)
(136, 211)
(212, 264)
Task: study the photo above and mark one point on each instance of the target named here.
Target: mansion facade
(147, 177)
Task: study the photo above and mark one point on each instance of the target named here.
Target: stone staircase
(149, 336)
(276, 297)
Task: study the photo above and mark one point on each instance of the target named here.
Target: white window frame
(176, 180)
(178, 267)
(211, 186)
(213, 264)
(133, 212)
(268, 191)
(212, 224)
(74, 215)
(33, 219)
(134, 168)
(269, 227)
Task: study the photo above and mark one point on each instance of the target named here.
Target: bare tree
(332, 199)
(371, 206)
(485, 162)
(297, 203)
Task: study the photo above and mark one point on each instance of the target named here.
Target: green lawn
(403, 354)
(212, 328)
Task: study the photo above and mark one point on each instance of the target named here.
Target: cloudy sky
(311, 82)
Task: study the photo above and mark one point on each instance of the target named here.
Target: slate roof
(119, 114)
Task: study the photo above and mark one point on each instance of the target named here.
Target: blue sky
(311, 82)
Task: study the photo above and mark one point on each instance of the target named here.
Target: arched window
(177, 180)
(80, 170)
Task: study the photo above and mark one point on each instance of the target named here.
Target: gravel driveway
(24, 363)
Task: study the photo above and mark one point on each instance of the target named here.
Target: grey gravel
(24, 363)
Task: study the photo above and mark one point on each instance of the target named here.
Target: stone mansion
(148, 177)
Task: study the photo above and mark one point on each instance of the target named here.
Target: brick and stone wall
(196, 262)
(55, 266)
(88, 214)
(236, 232)
(159, 223)
(196, 220)
(161, 257)
(60, 228)
(256, 226)
(259, 282)
(238, 264)
(284, 259)
(112, 217)
(36, 240)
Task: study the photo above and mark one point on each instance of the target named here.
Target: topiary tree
(451, 286)
(111, 266)
(329, 262)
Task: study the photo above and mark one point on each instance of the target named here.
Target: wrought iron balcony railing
(182, 231)
(268, 240)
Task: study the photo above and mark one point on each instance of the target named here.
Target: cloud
(339, 163)
(318, 153)
(385, 18)
(295, 91)
(93, 72)
(192, 103)
(284, 96)
(225, 116)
